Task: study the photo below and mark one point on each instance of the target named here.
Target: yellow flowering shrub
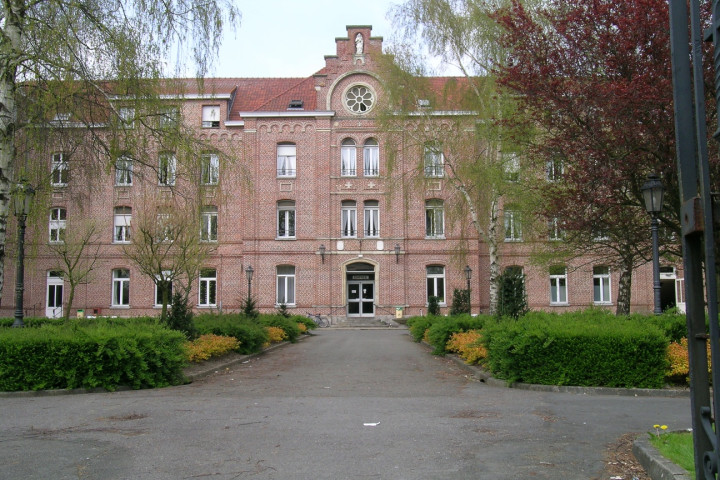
(276, 334)
(678, 361)
(302, 327)
(206, 346)
(467, 345)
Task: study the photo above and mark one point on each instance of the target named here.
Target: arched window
(348, 158)
(285, 285)
(371, 158)
(286, 219)
(349, 218)
(434, 218)
(286, 160)
(371, 217)
(122, 219)
(435, 275)
(58, 218)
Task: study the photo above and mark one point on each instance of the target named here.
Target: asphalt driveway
(343, 404)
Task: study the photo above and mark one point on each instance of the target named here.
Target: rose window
(359, 99)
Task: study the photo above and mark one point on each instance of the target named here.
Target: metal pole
(20, 273)
(656, 264)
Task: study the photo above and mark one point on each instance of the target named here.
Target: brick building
(309, 204)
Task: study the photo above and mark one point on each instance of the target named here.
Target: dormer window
(211, 116)
(296, 104)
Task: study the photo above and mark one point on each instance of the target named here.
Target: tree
(67, 67)
(595, 78)
(513, 297)
(76, 248)
(167, 245)
(478, 152)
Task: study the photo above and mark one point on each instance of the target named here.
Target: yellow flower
(656, 426)
(664, 427)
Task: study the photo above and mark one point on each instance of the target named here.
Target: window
(436, 282)
(554, 170)
(601, 285)
(166, 275)
(208, 287)
(209, 224)
(59, 171)
(359, 99)
(122, 224)
(168, 117)
(121, 287)
(434, 160)
(349, 218)
(371, 216)
(513, 226)
(511, 166)
(164, 227)
(286, 159)
(558, 285)
(371, 158)
(127, 116)
(286, 219)
(348, 158)
(57, 225)
(434, 218)
(555, 230)
(210, 174)
(211, 116)
(166, 169)
(123, 172)
(285, 285)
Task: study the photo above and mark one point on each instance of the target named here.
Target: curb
(657, 466)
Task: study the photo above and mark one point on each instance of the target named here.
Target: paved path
(343, 404)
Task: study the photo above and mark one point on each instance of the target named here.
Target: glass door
(54, 300)
(361, 298)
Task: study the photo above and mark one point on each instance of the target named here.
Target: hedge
(138, 355)
(582, 350)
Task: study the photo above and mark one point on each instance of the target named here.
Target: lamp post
(22, 203)
(397, 252)
(249, 273)
(468, 276)
(653, 192)
(322, 252)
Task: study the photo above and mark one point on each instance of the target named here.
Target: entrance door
(361, 298)
(54, 300)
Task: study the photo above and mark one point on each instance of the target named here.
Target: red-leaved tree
(594, 77)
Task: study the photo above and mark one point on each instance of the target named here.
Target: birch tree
(69, 66)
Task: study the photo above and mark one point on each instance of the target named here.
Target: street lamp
(249, 273)
(468, 276)
(397, 252)
(653, 192)
(22, 203)
(322, 252)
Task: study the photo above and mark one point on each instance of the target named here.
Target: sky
(290, 38)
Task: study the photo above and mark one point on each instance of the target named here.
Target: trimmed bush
(250, 333)
(417, 326)
(288, 325)
(206, 346)
(585, 349)
(138, 356)
(468, 346)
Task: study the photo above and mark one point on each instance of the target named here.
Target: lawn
(677, 447)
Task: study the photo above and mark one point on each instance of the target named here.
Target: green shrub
(418, 325)
(288, 325)
(180, 317)
(442, 328)
(32, 322)
(308, 322)
(512, 297)
(250, 333)
(73, 356)
(461, 302)
(584, 349)
(433, 306)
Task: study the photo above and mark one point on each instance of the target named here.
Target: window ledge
(441, 237)
(120, 307)
(207, 307)
(603, 303)
(564, 304)
(285, 239)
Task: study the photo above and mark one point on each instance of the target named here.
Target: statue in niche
(358, 44)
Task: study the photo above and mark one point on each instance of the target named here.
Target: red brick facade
(389, 267)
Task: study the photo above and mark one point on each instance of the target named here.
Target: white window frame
(207, 288)
(59, 172)
(554, 169)
(120, 287)
(555, 230)
(348, 219)
(121, 224)
(164, 227)
(285, 287)
(513, 226)
(434, 218)
(286, 219)
(158, 300)
(210, 165)
(167, 169)
(286, 160)
(371, 219)
(123, 171)
(371, 158)
(558, 286)
(348, 158)
(434, 161)
(432, 279)
(127, 115)
(210, 116)
(602, 285)
(57, 225)
(511, 166)
(168, 117)
(209, 224)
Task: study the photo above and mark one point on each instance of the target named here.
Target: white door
(54, 297)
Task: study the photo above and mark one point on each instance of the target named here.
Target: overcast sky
(289, 38)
